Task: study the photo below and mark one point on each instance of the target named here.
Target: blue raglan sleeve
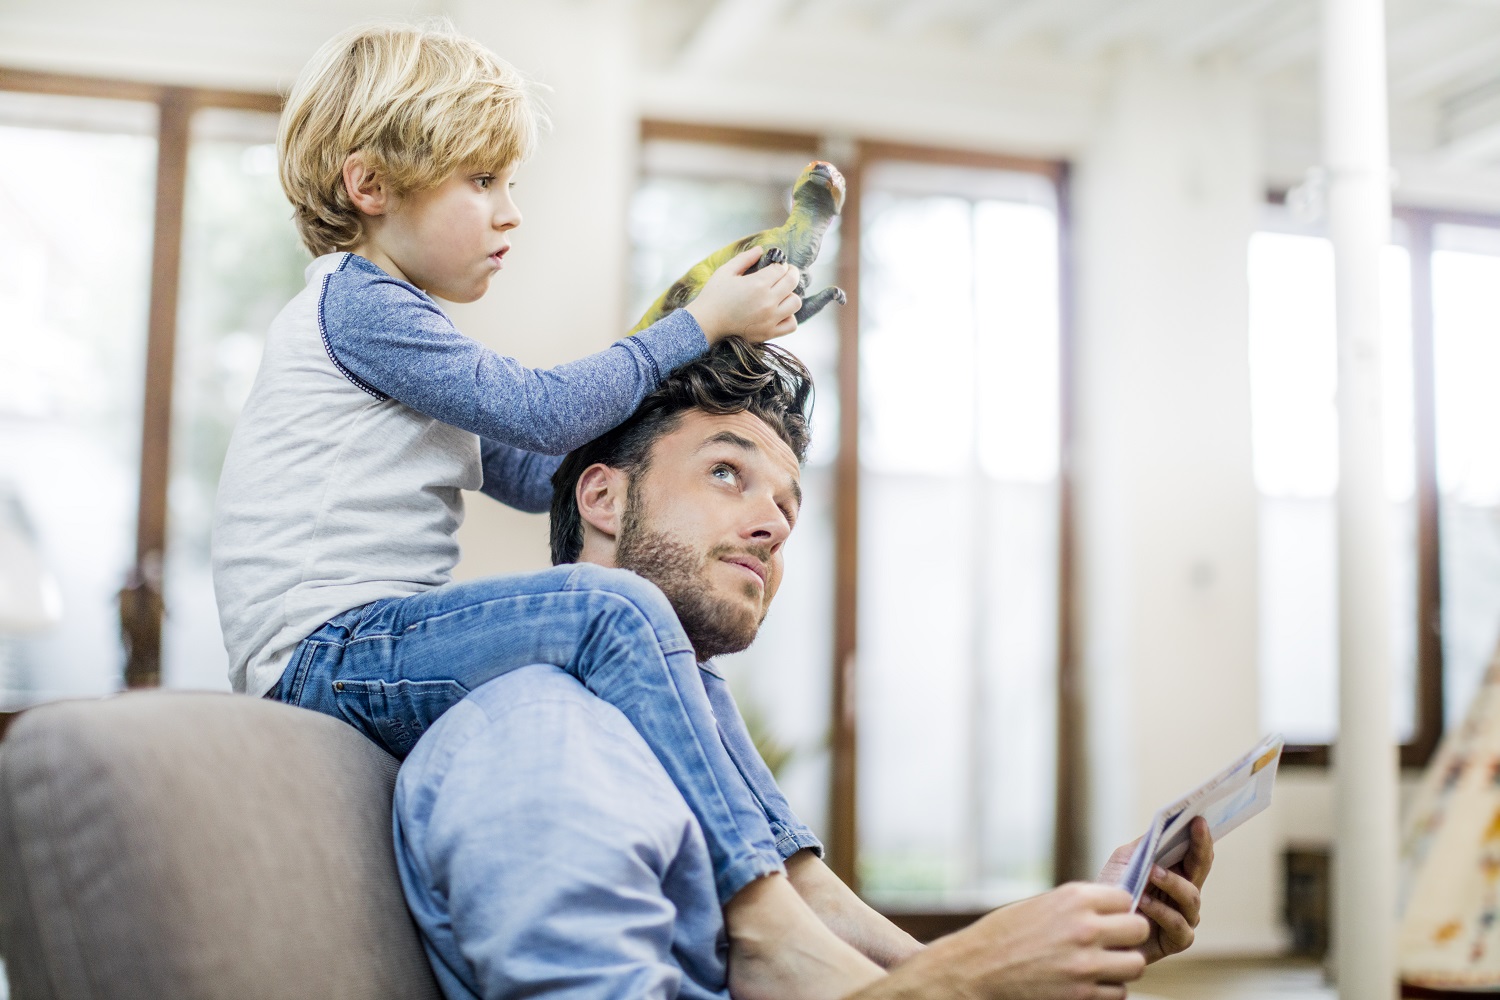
(394, 342)
(517, 478)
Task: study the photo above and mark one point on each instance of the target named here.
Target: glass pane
(74, 279)
(694, 198)
(1294, 428)
(957, 642)
(1465, 274)
(241, 263)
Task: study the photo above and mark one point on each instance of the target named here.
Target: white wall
(1168, 189)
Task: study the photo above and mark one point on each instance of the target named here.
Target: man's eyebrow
(745, 444)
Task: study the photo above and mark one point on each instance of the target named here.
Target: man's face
(707, 520)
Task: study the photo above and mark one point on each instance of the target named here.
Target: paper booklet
(1226, 800)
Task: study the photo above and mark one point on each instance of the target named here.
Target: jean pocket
(395, 714)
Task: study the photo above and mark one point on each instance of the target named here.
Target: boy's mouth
(498, 257)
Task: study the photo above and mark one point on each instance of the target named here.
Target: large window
(1465, 273)
(1443, 484)
(915, 645)
(959, 468)
(145, 245)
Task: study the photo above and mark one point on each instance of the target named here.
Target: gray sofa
(161, 845)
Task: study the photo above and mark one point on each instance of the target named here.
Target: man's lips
(753, 566)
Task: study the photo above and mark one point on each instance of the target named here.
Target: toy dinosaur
(816, 198)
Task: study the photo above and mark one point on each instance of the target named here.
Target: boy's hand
(1174, 899)
(757, 306)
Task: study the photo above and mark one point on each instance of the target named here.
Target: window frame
(855, 156)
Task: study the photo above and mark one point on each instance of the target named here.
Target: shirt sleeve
(394, 342)
(517, 478)
(552, 864)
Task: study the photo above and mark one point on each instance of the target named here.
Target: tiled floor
(1233, 980)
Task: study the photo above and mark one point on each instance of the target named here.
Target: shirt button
(338, 685)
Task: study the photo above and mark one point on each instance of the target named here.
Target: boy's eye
(484, 181)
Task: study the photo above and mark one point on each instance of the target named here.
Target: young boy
(341, 490)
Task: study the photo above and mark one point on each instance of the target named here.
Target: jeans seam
(303, 667)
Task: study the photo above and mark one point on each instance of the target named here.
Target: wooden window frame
(855, 157)
(175, 105)
(1427, 732)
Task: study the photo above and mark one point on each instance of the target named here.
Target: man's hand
(758, 307)
(1076, 942)
(1173, 900)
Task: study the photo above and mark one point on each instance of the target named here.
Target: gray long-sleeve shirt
(369, 415)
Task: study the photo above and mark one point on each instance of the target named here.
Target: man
(542, 848)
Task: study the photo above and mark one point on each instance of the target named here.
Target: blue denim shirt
(545, 852)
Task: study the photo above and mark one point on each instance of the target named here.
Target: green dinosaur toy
(816, 198)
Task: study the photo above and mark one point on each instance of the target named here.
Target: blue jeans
(390, 668)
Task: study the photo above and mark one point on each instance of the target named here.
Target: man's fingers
(1176, 933)
(1183, 892)
(1123, 930)
(1101, 898)
(1200, 855)
(1120, 967)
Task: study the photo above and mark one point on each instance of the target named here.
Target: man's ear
(366, 187)
(600, 495)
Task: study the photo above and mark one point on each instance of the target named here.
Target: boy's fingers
(744, 260)
(787, 279)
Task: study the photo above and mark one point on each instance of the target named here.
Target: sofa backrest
(195, 845)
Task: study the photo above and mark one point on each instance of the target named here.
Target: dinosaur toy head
(819, 180)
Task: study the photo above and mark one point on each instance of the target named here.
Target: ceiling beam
(1422, 81)
(1016, 22)
(912, 16)
(1124, 20)
(1471, 132)
(1298, 44)
(728, 30)
(1219, 30)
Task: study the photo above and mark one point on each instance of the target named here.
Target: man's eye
(724, 472)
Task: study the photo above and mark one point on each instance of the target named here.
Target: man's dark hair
(733, 377)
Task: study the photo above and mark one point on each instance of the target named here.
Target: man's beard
(713, 626)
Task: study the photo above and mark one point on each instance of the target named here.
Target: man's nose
(770, 527)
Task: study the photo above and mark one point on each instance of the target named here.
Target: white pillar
(1357, 157)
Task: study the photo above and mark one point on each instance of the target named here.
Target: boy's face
(448, 240)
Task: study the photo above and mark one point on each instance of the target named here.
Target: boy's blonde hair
(420, 101)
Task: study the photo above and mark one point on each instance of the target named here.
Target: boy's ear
(365, 186)
(601, 499)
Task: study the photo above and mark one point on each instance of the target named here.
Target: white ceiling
(1444, 55)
